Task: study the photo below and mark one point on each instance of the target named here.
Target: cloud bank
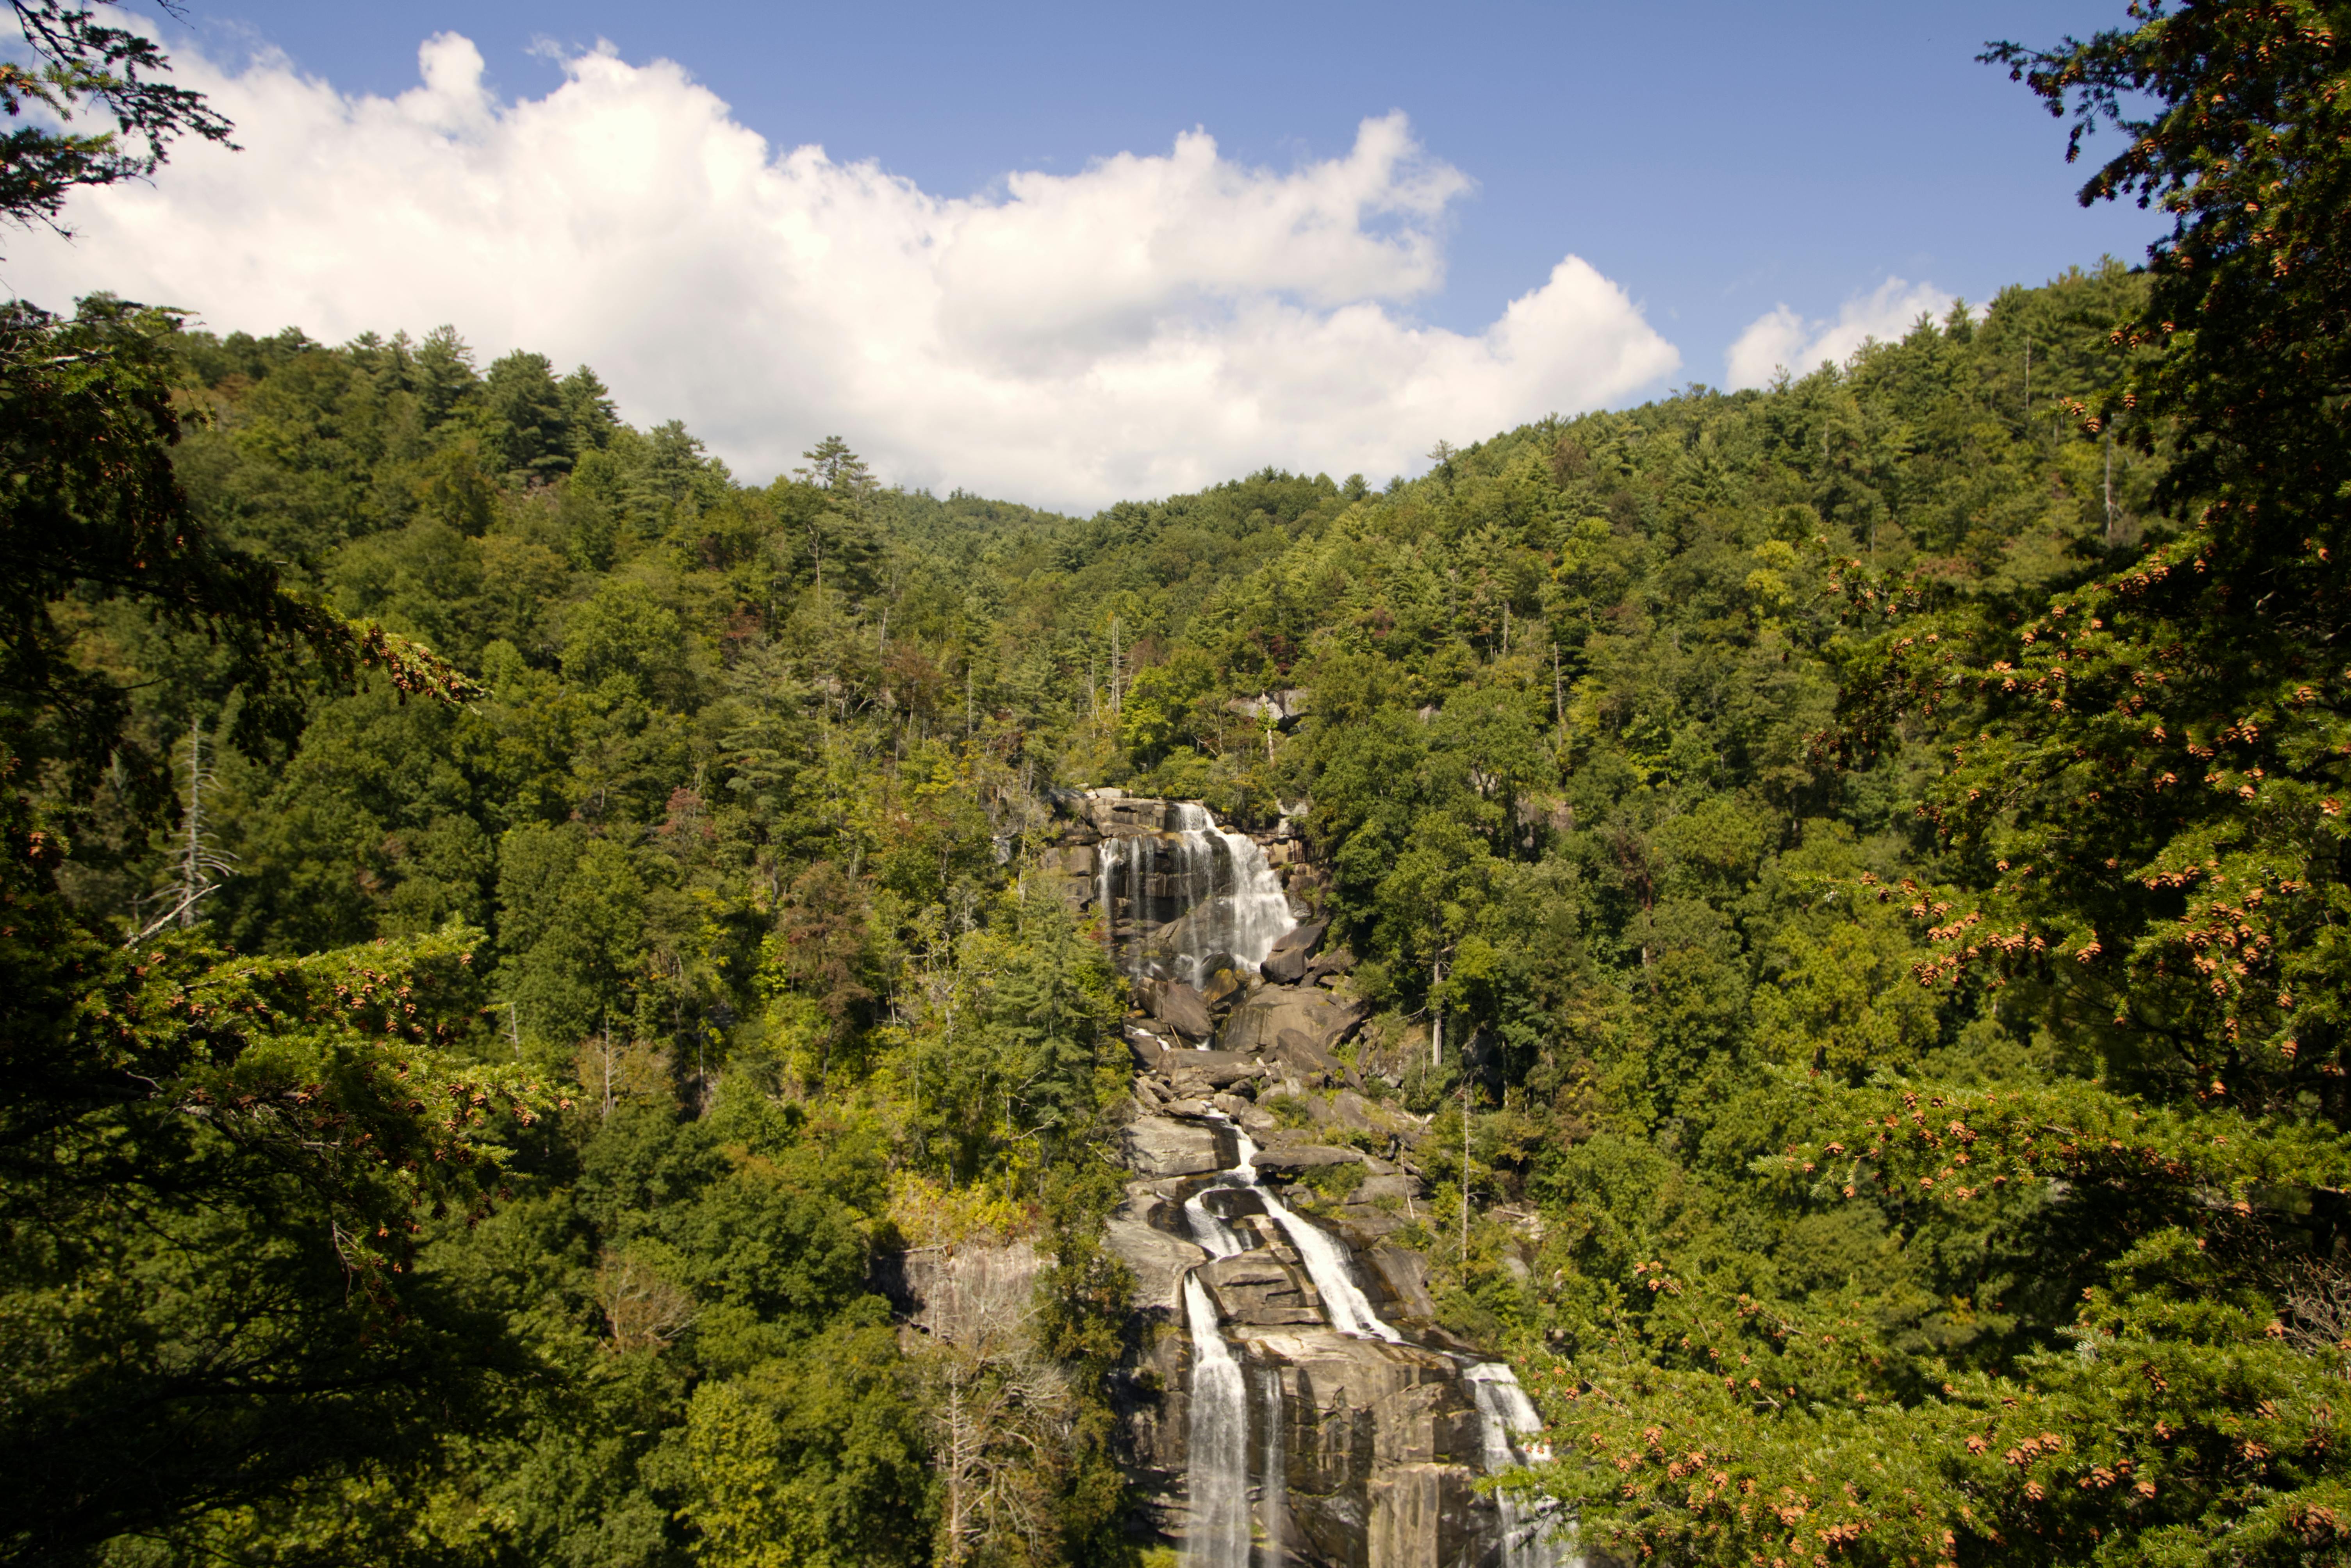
(1152, 324)
(1781, 339)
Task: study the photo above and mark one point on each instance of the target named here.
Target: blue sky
(1714, 159)
(1016, 268)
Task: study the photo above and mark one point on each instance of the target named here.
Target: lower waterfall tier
(1350, 1441)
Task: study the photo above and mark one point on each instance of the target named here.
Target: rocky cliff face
(1364, 1439)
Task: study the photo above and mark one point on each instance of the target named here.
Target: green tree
(521, 395)
(79, 65)
(2136, 820)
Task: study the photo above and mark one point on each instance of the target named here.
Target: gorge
(1295, 1401)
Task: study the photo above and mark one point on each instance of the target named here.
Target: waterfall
(1274, 1484)
(1212, 1233)
(1505, 1415)
(1344, 1302)
(1197, 891)
(1248, 912)
(1217, 1477)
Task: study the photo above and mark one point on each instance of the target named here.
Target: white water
(1211, 1232)
(1227, 898)
(1218, 1476)
(1344, 1302)
(1505, 1418)
(1273, 1506)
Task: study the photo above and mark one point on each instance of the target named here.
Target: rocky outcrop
(1364, 1453)
(1158, 1258)
(1320, 1017)
(1084, 819)
(1363, 1450)
(1380, 1450)
(1177, 1006)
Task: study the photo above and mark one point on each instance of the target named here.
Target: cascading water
(1344, 1302)
(1179, 902)
(1217, 1477)
(1193, 892)
(1530, 1534)
(1274, 1485)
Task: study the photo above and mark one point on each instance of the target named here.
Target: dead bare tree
(1000, 1412)
(642, 1309)
(2318, 1314)
(198, 867)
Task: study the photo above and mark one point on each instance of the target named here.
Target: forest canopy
(1874, 843)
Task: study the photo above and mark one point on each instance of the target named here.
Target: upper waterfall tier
(1188, 897)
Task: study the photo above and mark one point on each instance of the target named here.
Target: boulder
(1284, 967)
(1303, 938)
(1285, 964)
(1287, 1157)
(1222, 982)
(1257, 1024)
(1145, 1047)
(1349, 1109)
(1180, 1008)
(1337, 961)
(1392, 1186)
(1308, 1063)
(1164, 1147)
(1214, 1070)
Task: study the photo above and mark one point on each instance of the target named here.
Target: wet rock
(1222, 982)
(1164, 1147)
(1145, 1047)
(1158, 1259)
(1423, 1516)
(1379, 1449)
(1257, 1289)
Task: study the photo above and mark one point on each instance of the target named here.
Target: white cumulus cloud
(1779, 340)
(1156, 323)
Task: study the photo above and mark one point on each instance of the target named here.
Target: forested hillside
(508, 927)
